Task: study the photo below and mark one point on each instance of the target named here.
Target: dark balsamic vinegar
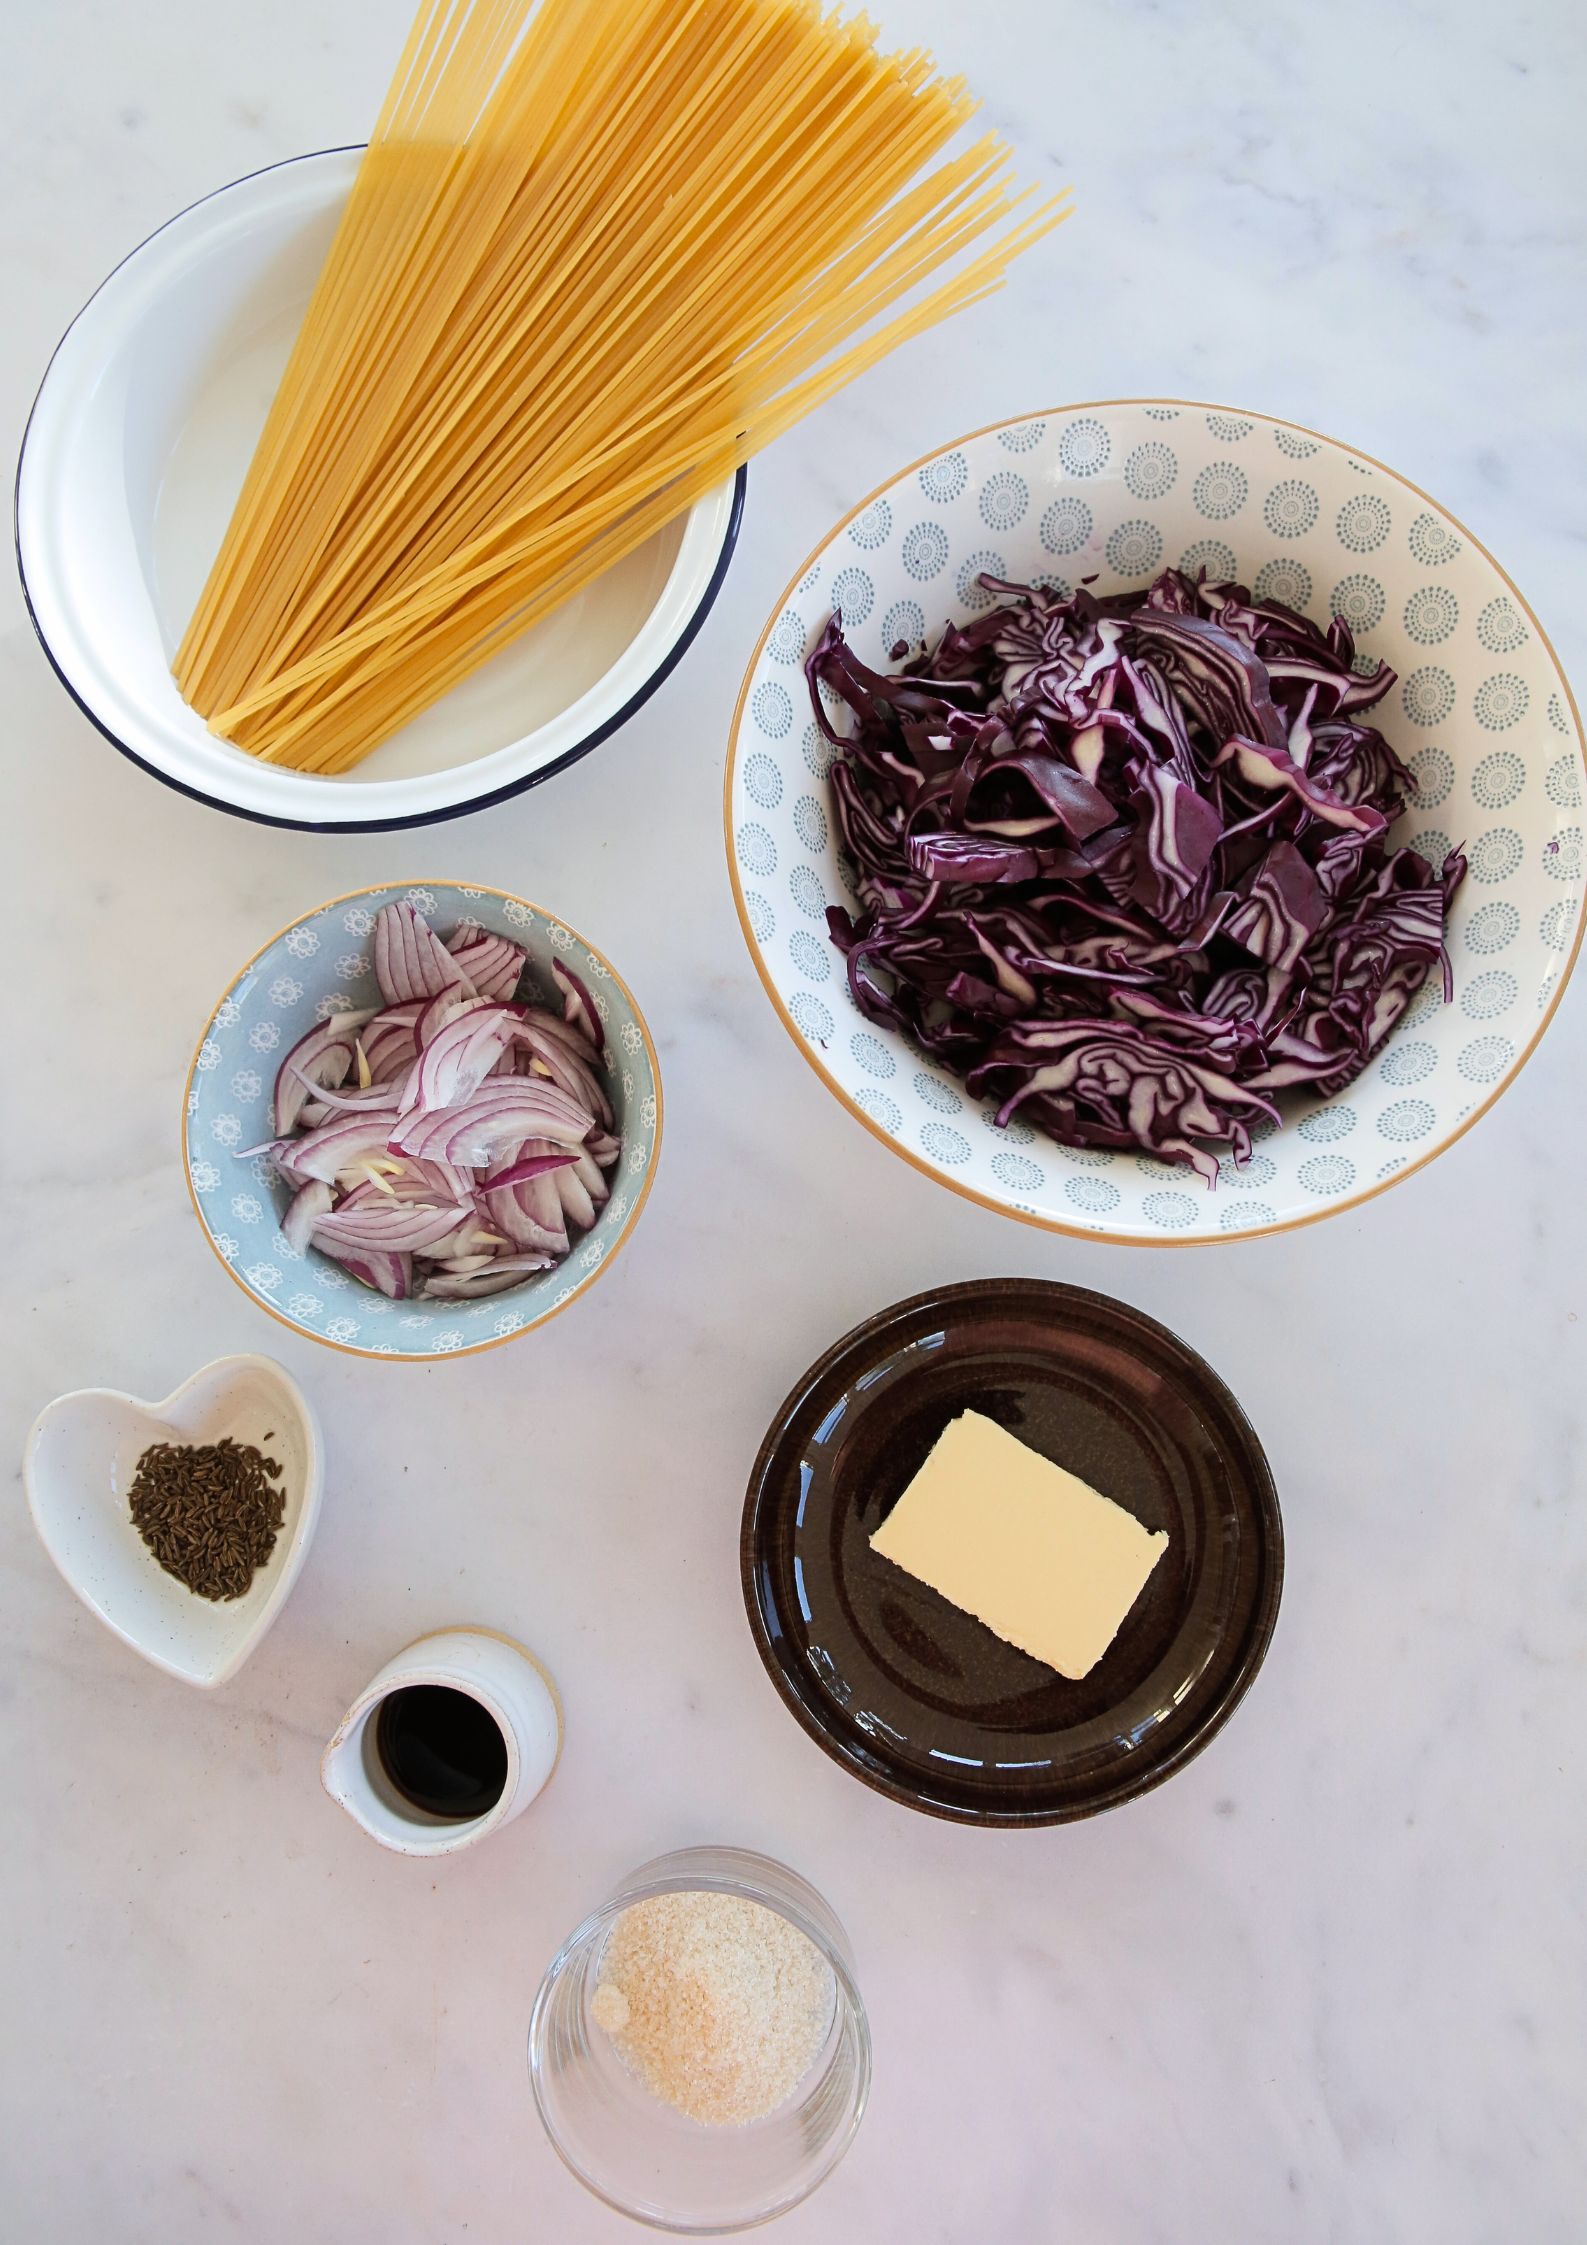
(442, 1750)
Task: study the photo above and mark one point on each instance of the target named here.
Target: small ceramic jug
(513, 1688)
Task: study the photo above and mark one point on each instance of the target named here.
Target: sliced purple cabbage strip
(1123, 864)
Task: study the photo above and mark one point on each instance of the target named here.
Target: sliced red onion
(278, 1150)
(396, 1227)
(304, 1211)
(524, 1225)
(533, 1165)
(554, 1026)
(565, 1061)
(390, 1181)
(578, 1006)
(493, 965)
(391, 1275)
(411, 961)
(436, 1012)
(530, 1212)
(329, 1100)
(443, 1249)
(577, 1206)
(453, 1125)
(446, 1182)
(391, 1042)
(498, 1118)
(475, 1235)
(340, 1145)
(324, 1056)
(457, 1058)
(504, 1275)
(590, 1175)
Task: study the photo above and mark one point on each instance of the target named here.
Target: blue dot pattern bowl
(320, 965)
(1110, 492)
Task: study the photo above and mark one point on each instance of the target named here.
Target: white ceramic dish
(508, 1682)
(1114, 492)
(135, 450)
(79, 1463)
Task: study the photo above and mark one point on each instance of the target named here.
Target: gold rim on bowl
(916, 1161)
(497, 1340)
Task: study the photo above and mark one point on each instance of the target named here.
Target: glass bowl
(636, 2152)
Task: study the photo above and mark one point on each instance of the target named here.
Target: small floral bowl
(318, 966)
(1115, 493)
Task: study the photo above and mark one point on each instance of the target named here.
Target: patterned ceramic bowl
(1114, 492)
(320, 965)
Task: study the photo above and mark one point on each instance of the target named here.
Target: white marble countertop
(1327, 1985)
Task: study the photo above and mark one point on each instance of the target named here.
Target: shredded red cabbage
(1123, 864)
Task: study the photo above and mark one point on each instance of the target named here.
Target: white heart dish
(82, 1453)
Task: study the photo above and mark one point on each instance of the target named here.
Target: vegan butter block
(1033, 1551)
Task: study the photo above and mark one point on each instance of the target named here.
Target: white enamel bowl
(1115, 492)
(133, 456)
(79, 1464)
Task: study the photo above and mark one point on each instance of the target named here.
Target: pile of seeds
(208, 1511)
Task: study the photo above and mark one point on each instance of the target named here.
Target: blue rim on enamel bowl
(227, 1095)
(268, 795)
(1108, 460)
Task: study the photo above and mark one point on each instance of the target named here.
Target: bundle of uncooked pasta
(594, 258)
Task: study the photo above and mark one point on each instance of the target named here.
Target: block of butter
(1033, 1551)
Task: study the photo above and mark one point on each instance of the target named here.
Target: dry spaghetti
(592, 260)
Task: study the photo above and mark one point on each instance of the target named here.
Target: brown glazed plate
(923, 1702)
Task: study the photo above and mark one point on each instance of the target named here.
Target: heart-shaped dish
(82, 1453)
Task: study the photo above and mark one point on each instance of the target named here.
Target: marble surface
(1326, 1985)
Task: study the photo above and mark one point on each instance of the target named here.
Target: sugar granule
(719, 2004)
